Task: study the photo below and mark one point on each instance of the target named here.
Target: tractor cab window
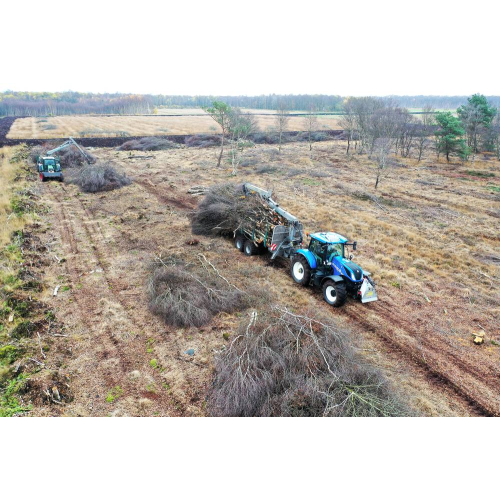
(315, 247)
(326, 251)
(334, 250)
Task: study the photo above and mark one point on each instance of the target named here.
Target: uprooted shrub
(101, 176)
(266, 138)
(202, 141)
(222, 210)
(148, 144)
(35, 152)
(71, 157)
(286, 364)
(184, 295)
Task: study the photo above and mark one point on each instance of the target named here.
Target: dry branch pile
(71, 157)
(148, 144)
(186, 296)
(225, 209)
(285, 364)
(102, 176)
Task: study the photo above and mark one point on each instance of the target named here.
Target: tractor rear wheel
(334, 292)
(249, 248)
(300, 270)
(239, 242)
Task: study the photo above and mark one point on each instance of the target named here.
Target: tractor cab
(327, 246)
(49, 167)
(329, 251)
(49, 164)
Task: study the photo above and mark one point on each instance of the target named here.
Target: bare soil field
(119, 126)
(429, 235)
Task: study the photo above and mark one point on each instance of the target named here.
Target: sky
(217, 47)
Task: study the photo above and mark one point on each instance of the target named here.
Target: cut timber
(197, 190)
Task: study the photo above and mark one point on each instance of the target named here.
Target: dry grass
(10, 181)
(118, 126)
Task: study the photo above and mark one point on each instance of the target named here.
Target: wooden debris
(478, 338)
(197, 190)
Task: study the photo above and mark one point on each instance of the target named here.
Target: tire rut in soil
(125, 351)
(433, 374)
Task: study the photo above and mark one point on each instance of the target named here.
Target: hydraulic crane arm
(68, 143)
(266, 196)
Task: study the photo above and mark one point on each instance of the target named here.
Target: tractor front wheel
(334, 292)
(300, 270)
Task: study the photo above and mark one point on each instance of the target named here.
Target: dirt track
(419, 333)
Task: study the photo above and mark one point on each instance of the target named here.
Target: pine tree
(450, 136)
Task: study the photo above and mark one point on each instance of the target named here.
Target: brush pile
(186, 295)
(101, 176)
(148, 144)
(71, 158)
(286, 364)
(225, 209)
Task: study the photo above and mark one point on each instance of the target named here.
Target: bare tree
(240, 128)
(381, 151)
(495, 133)
(282, 118)
(364, 109)
(425, 130)
(405, 130)
(221, 113)
(311, 125)
(349, 123)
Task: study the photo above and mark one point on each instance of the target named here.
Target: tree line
(70, 103)
(64, 103)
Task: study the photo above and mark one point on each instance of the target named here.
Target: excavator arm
(67, 144)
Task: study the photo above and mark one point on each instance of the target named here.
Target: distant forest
(67, 103)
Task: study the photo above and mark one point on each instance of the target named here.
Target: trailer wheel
(334, 292)
(239, 242)
(300, 270)
(249, 248)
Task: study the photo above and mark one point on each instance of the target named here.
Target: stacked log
(225, 209)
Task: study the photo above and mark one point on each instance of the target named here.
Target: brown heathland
(429, 235)
(112, 126)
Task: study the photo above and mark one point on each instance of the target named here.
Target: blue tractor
(326, 264)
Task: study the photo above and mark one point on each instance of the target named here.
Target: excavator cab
(49, 167)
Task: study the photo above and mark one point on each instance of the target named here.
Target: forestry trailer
(49, 167)
(325, 263)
